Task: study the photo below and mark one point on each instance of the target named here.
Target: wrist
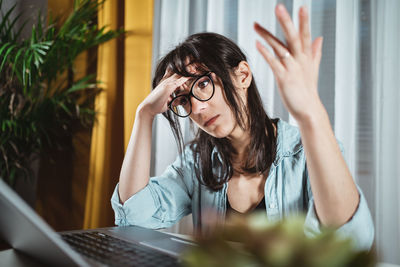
(143, 113)
(316, 116)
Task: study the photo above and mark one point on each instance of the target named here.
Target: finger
(274, 42)
(317, 50)
(168, 76)
(274, 63)
(267, 36)
(169, 100)
(168, 73)
(172, 77)
(279, 48)
(305, 34)
(175, 81)
(289, 30)
(173, 84)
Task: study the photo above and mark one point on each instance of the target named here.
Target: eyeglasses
(202, 89)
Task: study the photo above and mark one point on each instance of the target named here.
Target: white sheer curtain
(385, 63)
(359, 85)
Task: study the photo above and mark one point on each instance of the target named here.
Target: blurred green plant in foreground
(254, 241)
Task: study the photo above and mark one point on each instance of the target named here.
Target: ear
(242, 75)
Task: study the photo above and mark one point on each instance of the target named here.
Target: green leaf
(3, 47)
(5, 20)
(40, 51)
(81, 84)
(6, 55)
(29, 69)
(36, 59)
(64, 107)
(15, 63)
(33, 35)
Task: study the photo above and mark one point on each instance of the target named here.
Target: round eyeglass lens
(203, 89)
(181, 106)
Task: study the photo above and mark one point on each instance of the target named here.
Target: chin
(218, 132)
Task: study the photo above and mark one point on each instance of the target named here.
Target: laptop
(26, 232)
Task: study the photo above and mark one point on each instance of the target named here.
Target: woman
(240, 159)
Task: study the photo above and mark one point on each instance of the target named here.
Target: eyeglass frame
(208, 74)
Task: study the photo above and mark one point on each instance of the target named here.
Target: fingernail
(258, 44)
(281, 8)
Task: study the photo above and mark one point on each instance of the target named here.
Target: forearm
(335, 193)
(135, 171)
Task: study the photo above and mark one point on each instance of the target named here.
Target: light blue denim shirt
(176, 193)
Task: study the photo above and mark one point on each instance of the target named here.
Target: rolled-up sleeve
(359, 228)
(163, 202)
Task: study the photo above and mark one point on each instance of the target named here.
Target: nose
(197, 105)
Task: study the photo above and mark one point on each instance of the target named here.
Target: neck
(240, 139)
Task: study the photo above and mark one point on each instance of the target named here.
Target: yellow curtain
(138, 47)
(124, 67)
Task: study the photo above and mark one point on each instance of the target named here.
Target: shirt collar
(288, 142)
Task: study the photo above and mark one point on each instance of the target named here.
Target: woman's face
(213, 116)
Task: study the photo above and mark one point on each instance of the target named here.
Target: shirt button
(272, 205)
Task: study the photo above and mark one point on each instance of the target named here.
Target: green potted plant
(253, 240)
(41, 102)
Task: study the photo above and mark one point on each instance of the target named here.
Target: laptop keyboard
(112, 251)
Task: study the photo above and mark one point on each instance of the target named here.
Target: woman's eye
(178, 92)
(203, 84)
(183, 101)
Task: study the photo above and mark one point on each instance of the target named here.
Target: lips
(211, 121)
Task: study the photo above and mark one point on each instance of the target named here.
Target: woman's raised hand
(157, 101)
(296, 64)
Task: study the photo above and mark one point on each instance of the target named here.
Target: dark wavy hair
(216, 53)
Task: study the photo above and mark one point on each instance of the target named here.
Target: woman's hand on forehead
(184, 88)
(157, 101)
(170, 74)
